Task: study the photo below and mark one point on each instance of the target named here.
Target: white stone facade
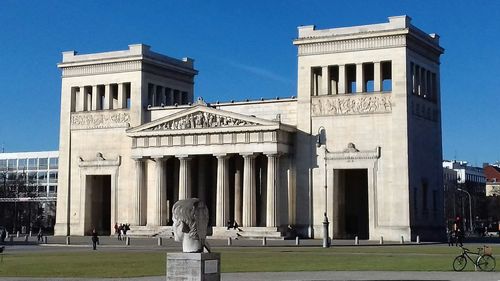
(361, 142)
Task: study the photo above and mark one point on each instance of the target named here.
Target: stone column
(157, 195)
(139, 182)
(249, 200)
(272, 203)
(122, 97)
(424, 82)
(108, 97)
(184, 177)
(325, 84)
(377, 77)
(222, 212)
(95, 98)
(82, 100)
(238, 217)
(360, 79)
(342, 80)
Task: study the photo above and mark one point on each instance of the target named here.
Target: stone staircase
(248, 232)
(216, 233)
(148, 231)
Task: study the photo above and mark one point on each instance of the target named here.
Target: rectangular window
(42, 190)
(386, 76)
(21, 164)
(127, 88)
(43, 163)
(316, 81)
(53, 177)
(334, 79)
(350, 72)
(52, 189)
(32, 164)
(42, 178)
(53, 163)
(368, 75)
(151, 94)
(3, 164)
(12, 164)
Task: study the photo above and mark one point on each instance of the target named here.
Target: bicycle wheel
(486, 263)
(459, 263)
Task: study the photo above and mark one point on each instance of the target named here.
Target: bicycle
(485, 261)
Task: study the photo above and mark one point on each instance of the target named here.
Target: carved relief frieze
(352, 45)
(351, 104)
(200, 120)
(98, 120)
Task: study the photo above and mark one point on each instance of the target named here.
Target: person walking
(39, 236)
(95, 239)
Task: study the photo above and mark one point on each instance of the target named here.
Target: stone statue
(190, 221)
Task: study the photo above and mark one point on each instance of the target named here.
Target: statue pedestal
(193, 266)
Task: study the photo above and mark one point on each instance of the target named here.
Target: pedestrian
(40, 234)
(120, 232)
(116, 228)
(3, 235)
(235, 225)
(229, 225)
(95, 239)
(450, 236)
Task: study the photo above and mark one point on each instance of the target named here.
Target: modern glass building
(28, 185)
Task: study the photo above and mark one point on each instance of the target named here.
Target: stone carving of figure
(190, 221)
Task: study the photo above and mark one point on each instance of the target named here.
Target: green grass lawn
(131, 263)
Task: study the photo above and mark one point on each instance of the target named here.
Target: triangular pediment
(201, 117)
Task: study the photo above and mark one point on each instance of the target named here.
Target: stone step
(149, 231)
(248, 232)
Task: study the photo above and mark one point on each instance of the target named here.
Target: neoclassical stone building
(361, 142)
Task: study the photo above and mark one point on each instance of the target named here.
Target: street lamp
(470, 207)
(321, 141)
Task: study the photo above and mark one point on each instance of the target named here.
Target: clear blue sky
(243, 49)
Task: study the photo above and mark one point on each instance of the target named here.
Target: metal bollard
(356, 240)
(229, 241)
(26, 238)
(68, 240)
(381, 240)
(45, 239)
(402, 239)
(6, 234)
(17, 235)
(160, 241)
(297, 241)
(264, 241)
(127, 241)
(418, 239)
(31, 233)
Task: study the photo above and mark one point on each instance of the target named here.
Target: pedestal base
(193, 266)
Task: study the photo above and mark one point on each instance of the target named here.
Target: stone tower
(370, 100)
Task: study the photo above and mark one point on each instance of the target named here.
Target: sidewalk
(315, 276)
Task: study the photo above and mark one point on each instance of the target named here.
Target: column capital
(184, 157)
(273, 154)
(137, 158)
(160, 157)
(248, 154)
(221, 155)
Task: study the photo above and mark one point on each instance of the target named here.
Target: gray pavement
(315, 276)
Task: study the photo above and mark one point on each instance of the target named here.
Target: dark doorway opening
(99, 206)
(352, 203)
